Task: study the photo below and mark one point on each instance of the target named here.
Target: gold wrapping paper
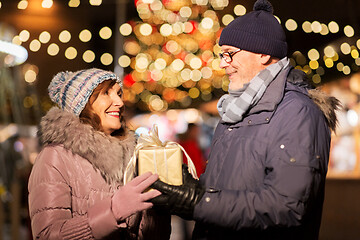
(165, 161)
(163, 158)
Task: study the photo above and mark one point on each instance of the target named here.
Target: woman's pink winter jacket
(73, 180)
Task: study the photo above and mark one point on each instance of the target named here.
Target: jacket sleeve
(294, 175)
(50, 204)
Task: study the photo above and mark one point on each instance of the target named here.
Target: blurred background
(166, 52)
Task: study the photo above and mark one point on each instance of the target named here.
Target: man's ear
(265, 59)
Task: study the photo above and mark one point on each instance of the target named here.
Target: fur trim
(107, 154)
(328, 105)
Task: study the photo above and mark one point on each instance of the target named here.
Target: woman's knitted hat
(257, 31)
(71, 90)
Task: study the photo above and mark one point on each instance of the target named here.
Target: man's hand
(179, 200)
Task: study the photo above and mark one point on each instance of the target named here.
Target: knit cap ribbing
(257, 31)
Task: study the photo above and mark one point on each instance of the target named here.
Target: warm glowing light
(74, 3)
(185, 74)
(156, 103)
(141, 61)
(105, 33)
(95, 2)
(145, 29)
(316, 27)
(124, 61)
(313, 54)
(85, 35)
(207, 23)
(349, 31)
(30, 76)
(357, 61)
(24, 35)
(35, 45)
(44, 37)
(64, 36)
(354, 53)
(16, 40)
(23, 4)
(329, 63)
(70, 53)
(177, 65)
(88, 56)
(324, 29)
(132, 47)
(329, 52)
(206, 72)
(160, 63)
(291, 25)
(339, 66)
(106, 59)
(333, 27)
(313, 64)
(194, 92)
(278, 19)
(166, 30)
(345, 48)
(47, 3)
(346, 70)
(195, 75)
(188, 27)
(239, 10)
(226, 19)
(177, 28)
(125, 29)
(185, 12)
(195, 63)
(172, 46)
(53, 49)
(306, 26)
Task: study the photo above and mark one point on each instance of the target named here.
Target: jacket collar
(290, 80)
(107, 154)
(264, 109)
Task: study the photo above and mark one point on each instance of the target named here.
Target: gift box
(162, 158)
(165, 161)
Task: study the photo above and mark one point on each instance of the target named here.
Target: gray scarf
(232, 106)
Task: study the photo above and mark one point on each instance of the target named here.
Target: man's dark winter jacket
(266, 174)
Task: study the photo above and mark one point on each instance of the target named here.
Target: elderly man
(268, 162)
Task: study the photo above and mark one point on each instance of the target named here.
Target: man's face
(243, 67)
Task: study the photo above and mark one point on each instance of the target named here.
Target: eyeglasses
(228, 56)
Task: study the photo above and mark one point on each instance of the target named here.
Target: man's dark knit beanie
(257, 31)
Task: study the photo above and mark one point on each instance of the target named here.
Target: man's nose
(223, 63)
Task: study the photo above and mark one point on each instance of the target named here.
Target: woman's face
(108, 106)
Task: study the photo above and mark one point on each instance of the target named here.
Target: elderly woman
(76, 188)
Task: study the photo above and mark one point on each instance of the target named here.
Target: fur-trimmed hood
(327, 104)
(107, 154)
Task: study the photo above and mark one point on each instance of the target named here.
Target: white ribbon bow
(153, 140)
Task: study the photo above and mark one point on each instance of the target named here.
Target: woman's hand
(131, 198)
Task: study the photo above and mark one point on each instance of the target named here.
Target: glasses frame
(228, 56)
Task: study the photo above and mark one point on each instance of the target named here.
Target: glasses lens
(225, 56)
